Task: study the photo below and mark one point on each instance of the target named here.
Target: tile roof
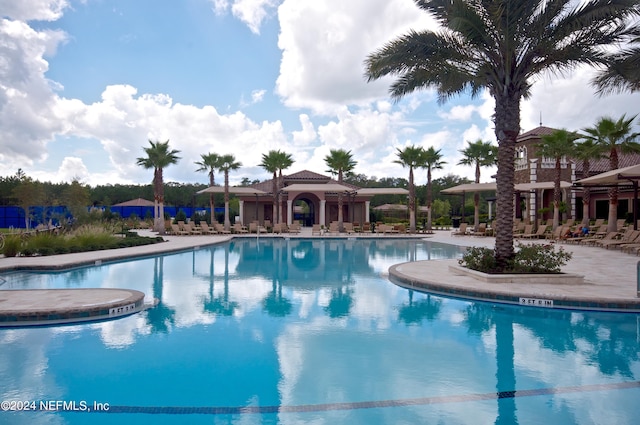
(598, 166)
(535, 133)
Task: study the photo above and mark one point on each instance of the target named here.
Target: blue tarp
(12, 216)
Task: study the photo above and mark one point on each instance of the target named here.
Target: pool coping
(38, 307)
(412, 275)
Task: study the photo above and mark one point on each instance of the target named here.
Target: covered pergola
(627, 176)
(236, 190)
(534, 189)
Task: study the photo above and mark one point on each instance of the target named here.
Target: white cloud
(33, 10)
(251, 12)
(73, 168)
(322, 66)
(27, 101)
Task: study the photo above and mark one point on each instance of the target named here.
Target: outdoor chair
(539, 234)
(175, 230)
(628, 237)
(482, 230)
(239, 228)
(528, 229)
(220, 228)
(609, 236)
(462, 230)
(206, 230)
(316, 230)
(295, 227)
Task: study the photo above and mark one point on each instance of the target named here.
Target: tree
(501, 46)
(28, 193)
(285, 161)
(557, 145)
(269, 163)
(623, 71)
(340, 162)
(432, 161)
(412, 157)
(478, 154)
(158, 157)
(76, 197)
(210, 163)
(585, 152)
(612, 136)
(227, 163)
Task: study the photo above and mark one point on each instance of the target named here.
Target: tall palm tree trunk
(507, 120)
(476, 202)
(613, 194)
(227, 222)
(429, 196)
(160, 183)
(211, 197)
(340, 218)
(412, 202)
(557, 195)
(586, 194)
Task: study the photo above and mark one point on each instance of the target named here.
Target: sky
(85, 84)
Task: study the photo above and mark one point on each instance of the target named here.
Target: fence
(12, 216)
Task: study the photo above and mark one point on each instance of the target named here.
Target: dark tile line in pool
(231, 410)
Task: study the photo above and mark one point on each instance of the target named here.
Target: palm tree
(585, 152)
(339, 162)
(274, 162)
(227, 163)
(412, 157)
(557, 145)
(210, 163)
(158, 157)
(270, 163)
(432, 161)
(479, 154)
(613, 136)
(501, 46)
(285, 160)
(623, 72)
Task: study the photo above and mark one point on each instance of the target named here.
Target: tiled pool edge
(490, 292)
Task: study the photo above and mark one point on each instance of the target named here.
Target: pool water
(312, 332)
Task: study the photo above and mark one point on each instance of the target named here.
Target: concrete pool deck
(610, 276)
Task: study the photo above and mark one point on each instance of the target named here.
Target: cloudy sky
(84, 84)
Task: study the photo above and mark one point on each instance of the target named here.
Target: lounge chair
(239, 228)
(628, 237)
(528, 230)
(556, 235)
(220, 228)
(255, 228)
(462, 230)
(596, 241)
(539, 234)
(348, 228)
(295, 227)
(175, 230)
(482, 230)
(204, 227)
(333, 227)
(366, 227)
(316, 230)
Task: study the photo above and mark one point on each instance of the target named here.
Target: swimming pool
(311, 331)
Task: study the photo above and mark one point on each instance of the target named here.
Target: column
(289, 212)
(323, 206)
(367, 204)
(241, 211)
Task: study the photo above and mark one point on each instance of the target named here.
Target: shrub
(531, 258)
(12, 245)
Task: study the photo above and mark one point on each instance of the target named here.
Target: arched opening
(304, 210)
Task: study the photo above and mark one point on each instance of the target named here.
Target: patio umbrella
(618, 177)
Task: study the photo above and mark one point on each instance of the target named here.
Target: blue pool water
(312, 332)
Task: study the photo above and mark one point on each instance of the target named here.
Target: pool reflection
(301, 322)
